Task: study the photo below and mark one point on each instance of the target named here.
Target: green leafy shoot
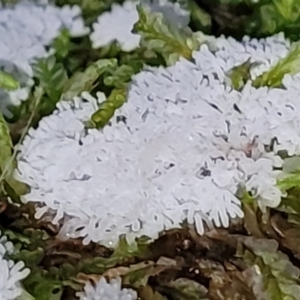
(200, 19)
(288, 9)
(7, 161)
(43, 286)
(239, 75)
(129, 64)
(279, 278)
(290, 205)
(163, 38)
(183, 288)
(290, 177)
(119, 77)
(85, 81)
(27, 237)
(287, 65)
(279, 14)
(52, 77)
(7, 82)
(288, 181)
(7, 154)
(107, 108)
(62, 44)
(124, 251)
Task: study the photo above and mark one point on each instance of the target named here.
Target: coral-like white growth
(10, 273)
(104, 290)
(122, 18)
(232, 130)
(25, 29)
(231, 53)
(183, 148)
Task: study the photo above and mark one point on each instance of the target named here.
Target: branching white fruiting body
(183, 148)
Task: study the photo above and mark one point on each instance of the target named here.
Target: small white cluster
(104, 290)
(184, 147)
(25, 30)
(230, 53)
(10, 273)
(122, 18)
